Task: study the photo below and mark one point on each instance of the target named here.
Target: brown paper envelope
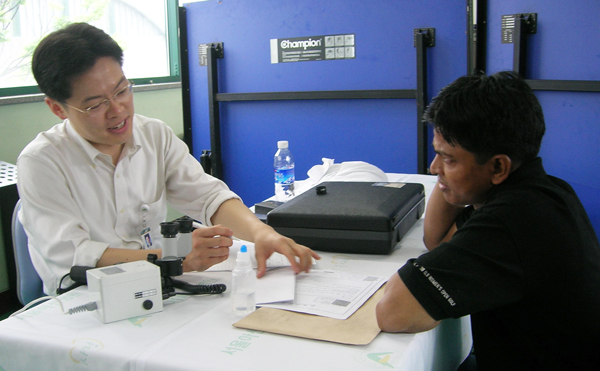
(359, 329)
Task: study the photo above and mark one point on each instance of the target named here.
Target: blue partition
(382, 132)
(565, 47)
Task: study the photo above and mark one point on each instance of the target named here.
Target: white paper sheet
(331, 293)
(279, 285)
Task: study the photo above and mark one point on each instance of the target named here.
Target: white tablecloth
(196, 333)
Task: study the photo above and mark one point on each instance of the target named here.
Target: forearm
(235, 215)
(439, 224)
(115, 255)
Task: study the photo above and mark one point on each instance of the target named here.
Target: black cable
(78, 275)
(190, 293)
(60, 282)
(60, 290)
(218, 288)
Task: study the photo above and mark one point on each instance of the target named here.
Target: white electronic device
(125, 290)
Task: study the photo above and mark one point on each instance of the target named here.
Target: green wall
(21, 122)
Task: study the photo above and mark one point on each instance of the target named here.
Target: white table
(196, 333)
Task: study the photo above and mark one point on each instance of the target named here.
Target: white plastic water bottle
(284, 172)
(243, 283)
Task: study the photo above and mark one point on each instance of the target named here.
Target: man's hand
(248, 227)
(439, 224)
(267, 241)
(210, 246)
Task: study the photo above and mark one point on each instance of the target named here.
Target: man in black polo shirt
(509, 245)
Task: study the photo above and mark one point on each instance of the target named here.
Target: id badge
(147, 238)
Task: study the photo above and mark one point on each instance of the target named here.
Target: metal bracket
(530, 22)
(429, 36)
(219, 51)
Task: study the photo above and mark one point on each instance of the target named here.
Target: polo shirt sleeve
(478, 269)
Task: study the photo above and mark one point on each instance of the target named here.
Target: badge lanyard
(145, 230)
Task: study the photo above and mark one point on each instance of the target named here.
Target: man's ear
(502, 167)
(56, 108)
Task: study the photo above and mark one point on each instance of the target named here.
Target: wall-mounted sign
(508, 28)
(202, 52)
(509, 24)
(313, 48)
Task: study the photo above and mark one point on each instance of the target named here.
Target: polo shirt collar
(528, 170)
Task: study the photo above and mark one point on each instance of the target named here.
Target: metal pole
(213, 109)
(185, 80)
(421, 103)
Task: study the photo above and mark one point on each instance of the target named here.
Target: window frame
(172, 18)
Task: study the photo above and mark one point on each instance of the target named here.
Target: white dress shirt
(76, 203)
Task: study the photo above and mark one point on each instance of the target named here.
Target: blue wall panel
(381, 132)
(565, 47)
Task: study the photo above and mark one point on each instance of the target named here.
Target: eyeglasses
(101, 107)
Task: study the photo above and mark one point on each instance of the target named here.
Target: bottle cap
(282, 144)
(243, 256)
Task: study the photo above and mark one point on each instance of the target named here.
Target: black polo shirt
(526, 267)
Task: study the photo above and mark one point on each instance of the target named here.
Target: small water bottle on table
(243, 283)
(284, 172)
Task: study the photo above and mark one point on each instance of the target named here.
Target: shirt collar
(86, 146)
(527, 170)
(531, 169)
(133, 144)
(129, 149)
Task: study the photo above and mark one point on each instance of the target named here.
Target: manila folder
(359, 329)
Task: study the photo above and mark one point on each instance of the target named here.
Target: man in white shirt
(95, 187)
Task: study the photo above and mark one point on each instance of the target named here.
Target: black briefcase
(351, 217)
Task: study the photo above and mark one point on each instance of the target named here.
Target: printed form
(331, 293)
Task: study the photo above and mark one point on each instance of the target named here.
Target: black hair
(66, 54)
(489, 115)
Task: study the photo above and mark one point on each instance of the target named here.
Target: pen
(195, 224)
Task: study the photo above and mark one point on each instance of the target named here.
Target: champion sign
(288, 44)
(312, 48)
